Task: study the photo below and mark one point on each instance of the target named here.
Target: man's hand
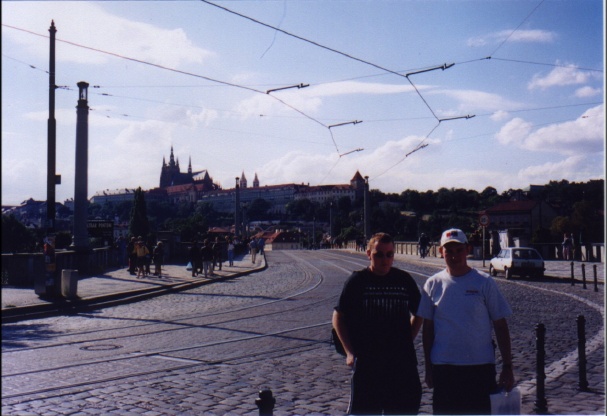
(350, 358)
(429, 380)
(507, 378)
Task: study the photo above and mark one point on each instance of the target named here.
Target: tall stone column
(237, 219)
(80, 240)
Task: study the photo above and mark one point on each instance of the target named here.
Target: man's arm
(342, 332)
(416, 324)
(502, 334)
(427, 341)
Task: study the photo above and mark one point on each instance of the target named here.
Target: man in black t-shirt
(376, 323)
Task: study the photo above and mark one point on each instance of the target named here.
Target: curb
(64, 306)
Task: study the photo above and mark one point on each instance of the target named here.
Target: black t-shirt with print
(377, 311)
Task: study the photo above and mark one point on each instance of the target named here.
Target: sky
(417, 95)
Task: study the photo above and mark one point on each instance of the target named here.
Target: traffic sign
(484, 220)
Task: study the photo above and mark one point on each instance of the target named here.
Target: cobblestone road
(310, 379)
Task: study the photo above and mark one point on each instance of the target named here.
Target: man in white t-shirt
(461, 307)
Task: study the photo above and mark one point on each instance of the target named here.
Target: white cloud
(88, 24)
(500, 115)
(584, 135)
(573, 167)
(526, 36)
(353, 87)
(587, 91)
(514, 132)
(471, 100)
(560, 76)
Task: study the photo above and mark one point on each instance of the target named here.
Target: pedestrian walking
(567, 247)
(375, 320)
(195, 259)
(158, 258)
(260, 245)
(206, 256)
(217, 255)
(141, 251)
(230, 252)
(461, 306)
(423, 245)
(132, 256)
(253, 248)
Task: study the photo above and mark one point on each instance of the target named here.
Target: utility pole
(51, 178)
(47, 285)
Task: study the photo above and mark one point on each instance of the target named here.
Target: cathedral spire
(190, 166)
(172, 158)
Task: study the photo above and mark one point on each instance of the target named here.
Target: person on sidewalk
(142, 252)
(158, 257)
(461, 306)
(253, 247)
(423, 245)
(217, 255)
(375, 320)
(132, 255)
(260, 245)
(230, 252)
(206, 255)
(195, 260)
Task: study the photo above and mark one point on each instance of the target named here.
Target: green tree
(16, 237)
(139, 224)
(258, 210)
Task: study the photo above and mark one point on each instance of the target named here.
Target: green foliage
(258, 210)
(139, 225)
(16, 237)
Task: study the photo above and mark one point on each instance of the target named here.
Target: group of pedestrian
(141, 255)
(380, 312)
(208, 257)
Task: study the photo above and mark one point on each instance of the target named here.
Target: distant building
(520, 218)
(283, 240)
(113, 196)
(176, 187)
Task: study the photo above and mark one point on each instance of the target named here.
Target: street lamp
(366, 201)
(331, 220)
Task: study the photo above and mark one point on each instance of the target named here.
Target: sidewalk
(118, 284)
(559, 269)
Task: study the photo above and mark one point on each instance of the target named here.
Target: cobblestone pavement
(313, 381)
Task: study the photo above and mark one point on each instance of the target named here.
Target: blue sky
(529, 74)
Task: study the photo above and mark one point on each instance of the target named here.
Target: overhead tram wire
(230, 84)
(517, 28)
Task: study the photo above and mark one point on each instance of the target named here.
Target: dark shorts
(388, 388)
(463, 389)
(141, 261)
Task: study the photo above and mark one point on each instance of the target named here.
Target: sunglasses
(381, 255)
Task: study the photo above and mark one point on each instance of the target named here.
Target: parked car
(519, 261)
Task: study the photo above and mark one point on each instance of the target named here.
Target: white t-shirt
(463, 309)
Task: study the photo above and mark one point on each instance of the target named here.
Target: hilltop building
(176, 186)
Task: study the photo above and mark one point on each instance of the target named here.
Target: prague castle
(176, 187)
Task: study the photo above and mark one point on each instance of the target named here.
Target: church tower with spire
(171, 174)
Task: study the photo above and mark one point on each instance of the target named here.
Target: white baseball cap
(453, 235)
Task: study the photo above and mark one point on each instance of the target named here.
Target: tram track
(297, 338)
